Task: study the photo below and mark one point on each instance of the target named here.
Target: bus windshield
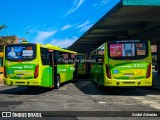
(20, 52)
(128, 49)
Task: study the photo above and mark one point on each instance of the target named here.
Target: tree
(6, 40)
(2, 27)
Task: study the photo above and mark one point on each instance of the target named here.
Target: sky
(56, 22)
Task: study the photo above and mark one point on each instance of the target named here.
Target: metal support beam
(123, 27)
(141, 17)
(123, 33)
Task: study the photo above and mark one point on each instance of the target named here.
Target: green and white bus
(81, 59)
(123, 63)
(29, 64)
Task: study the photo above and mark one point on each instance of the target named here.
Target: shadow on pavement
(29, 91)
(25, 91)
(156, 80)
(87, 86)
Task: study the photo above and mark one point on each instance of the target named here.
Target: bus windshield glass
(134, 49)
(20, 52)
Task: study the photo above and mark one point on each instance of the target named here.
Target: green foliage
(2, 27)
(6, 40)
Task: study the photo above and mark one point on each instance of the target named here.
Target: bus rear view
(125, 63)
(20, 64)
(129, 63)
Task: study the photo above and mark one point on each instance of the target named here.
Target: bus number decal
(28, 66)
(139, 65)
(72, 68)
(62, 70)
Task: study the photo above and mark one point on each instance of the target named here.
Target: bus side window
(58, 58)
(65, 58)
(45, 56)
(72, 58)
(50, 58)
(62, 58)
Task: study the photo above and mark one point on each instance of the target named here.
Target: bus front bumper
(21, 82)
(128, 83)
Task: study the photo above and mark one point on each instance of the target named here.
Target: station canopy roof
(128, 19)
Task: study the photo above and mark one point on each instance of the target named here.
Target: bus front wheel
(57, 84)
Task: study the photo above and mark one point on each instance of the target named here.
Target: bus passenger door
(55, 67)
(52, 64)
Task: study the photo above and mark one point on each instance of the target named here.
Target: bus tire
(75, 75)
(31, 87)
(100, 87)
(158, 71)
(57, 84)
